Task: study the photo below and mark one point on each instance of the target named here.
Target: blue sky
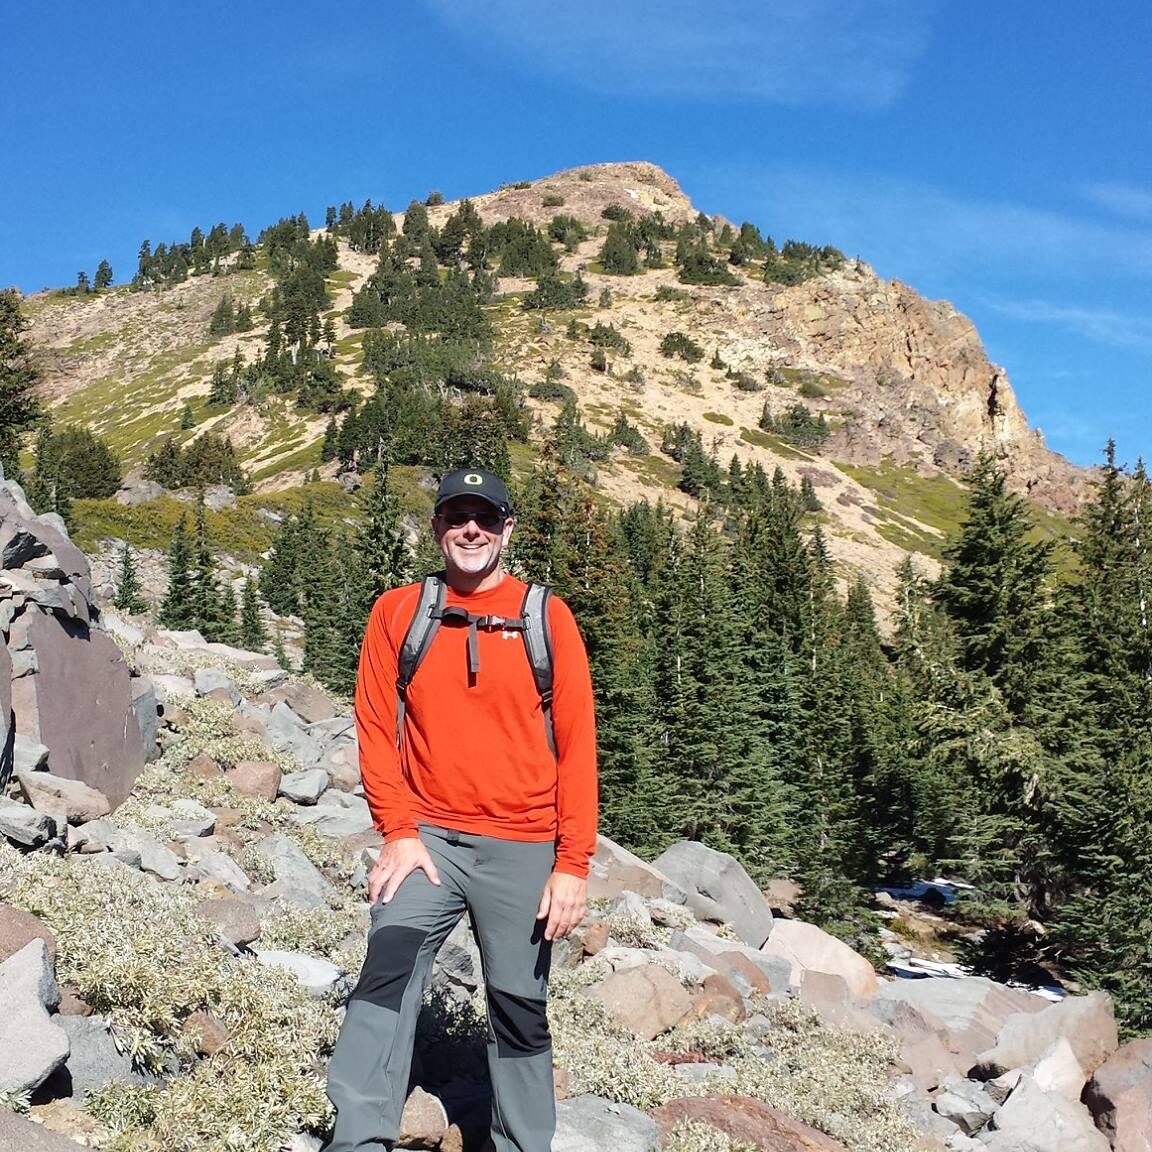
(995, 155)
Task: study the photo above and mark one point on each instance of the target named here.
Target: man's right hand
(396, 860)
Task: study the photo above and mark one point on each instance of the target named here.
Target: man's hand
(396, 860)
(564, 902)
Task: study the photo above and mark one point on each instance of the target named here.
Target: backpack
(532, 624)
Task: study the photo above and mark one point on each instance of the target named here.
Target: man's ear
(509, 524)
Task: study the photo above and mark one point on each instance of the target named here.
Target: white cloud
(1103, 325)
(858, 52)
(924, 231)
(1122, 199)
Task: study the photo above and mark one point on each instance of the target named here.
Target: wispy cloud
(1122, 199)
(1104, 325)
(918, 230)
(857, 52)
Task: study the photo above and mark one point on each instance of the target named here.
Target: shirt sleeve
(574, 725)
(384, 786)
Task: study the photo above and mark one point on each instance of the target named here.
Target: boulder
(83, 706)
(93, 1060)
(130, 840)
(592, 1124)
(7, 727)
(298, 880)
(304, 787)
(1044, 1121)
(965, 1103)
(970, 1010)
(317, 975)
(337, 816)
(646, 1001)
(236, 919)
(1058, 1070)
(24, 825)
(34, 1046)
(1119, 1096)
(777, 970)
(808, 948)
(139, 492)
(1086, 1022)
(309, 703)
(614, 870)
(210, 679)
(28, 755)
(69, 801)
(19, 928)
(19, 1134)
(718, 889)
(423, 1121)
(751, 1121)
(209, 1034)
(146, 709)
(259, 778)
(285, 733)
(746, 974)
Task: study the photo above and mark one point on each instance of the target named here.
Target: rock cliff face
(68, 701)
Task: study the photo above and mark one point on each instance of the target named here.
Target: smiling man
(485, 791)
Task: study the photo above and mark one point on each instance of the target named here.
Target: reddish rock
(226, 818)
(83, 702)
(259, 778)
(718, 997)
(453, 1139)
(203, 766)
(310, 704)
(561, 1084)
(244, 725)
(18, 928)
(730, 963)
(1119, 1096)
(207, 1032)
(424, 1121)
(595, 939)
(749, 1120)
(72, 1003)
(236, 918)
(647, 1000)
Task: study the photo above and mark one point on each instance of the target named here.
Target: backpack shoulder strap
(417, 640)
(537, 636)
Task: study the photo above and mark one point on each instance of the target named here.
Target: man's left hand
(564, 902)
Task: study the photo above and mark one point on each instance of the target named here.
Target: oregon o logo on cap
(474, 478)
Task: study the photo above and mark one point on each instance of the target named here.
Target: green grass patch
(653, 469)
(773, 444)
(812, 384)
(937, 501)
(718, 418)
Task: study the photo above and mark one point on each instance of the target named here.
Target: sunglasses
(489, 521)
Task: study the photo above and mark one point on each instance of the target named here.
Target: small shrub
(616, 212)
(433, 199)
(552, 390)
(586, 177)
(520, 185)
(745, 382)
(552, 200)
(606, 336)
(678, 344)
(812, 389)
(599, 360)
(666, 293)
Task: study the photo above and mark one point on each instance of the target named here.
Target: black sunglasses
(489, 521)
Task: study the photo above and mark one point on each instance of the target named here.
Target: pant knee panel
(519, 1023)
(389, 965)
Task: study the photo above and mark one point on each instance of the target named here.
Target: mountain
(903, 384)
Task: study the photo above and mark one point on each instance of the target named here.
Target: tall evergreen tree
(19, 405)
(129, 595)
(177, 610)
(252, 635)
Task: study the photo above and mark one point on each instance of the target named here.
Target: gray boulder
(1045, 1122)
(146, 709)
(25, 825)
(94, 1058)
(34, 1046)
(19, 1134)
(298, 880)
(592, 1124)
(337, 815)
(286, 733)
(319, 977)
(614, 869)
(305, 787)
(7, 727)
(718, 889)
(131, 841)
(213, 680)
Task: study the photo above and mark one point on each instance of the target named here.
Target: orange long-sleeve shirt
(475, 755)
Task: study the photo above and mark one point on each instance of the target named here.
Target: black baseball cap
(474, 482)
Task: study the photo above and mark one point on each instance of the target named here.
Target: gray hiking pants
(499, 884)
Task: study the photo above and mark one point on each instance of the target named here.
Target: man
(478, 816)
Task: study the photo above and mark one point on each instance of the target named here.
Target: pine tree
(19, 406)
(178, 609)
(382, 549)
(213, 605)
(129, 595)
(253, 634)
(103, 276)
